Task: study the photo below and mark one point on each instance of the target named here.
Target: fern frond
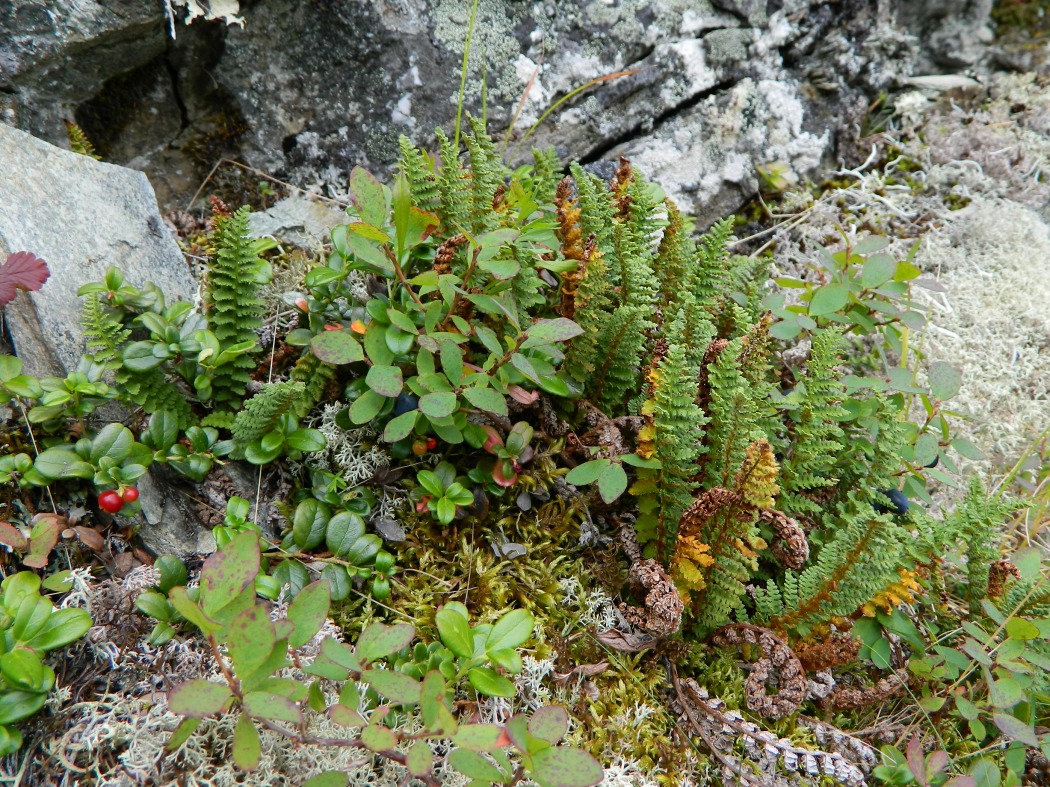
(710, 275)
(546, 173)
(616, 371)
(488, 175)
(152, 391)
(231, 302)
(419, 169)
(262, 412)
(315, 374)
(104, 331)
(592, 307)
(734, 417)
(454, 188)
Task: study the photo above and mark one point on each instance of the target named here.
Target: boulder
(80, 216)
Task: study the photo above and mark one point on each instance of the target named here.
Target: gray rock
(297, 220)
(170, 522)
(80, 216)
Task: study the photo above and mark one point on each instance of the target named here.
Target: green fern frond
(710, 274)
(262, 411)
(546, 173)
(419, 169)
(734, 415)
(454, 188)
(153, 392)
(593, 310)
(488, 174)
(315, 374)
(104, 331)
(231, 303)
(616, 372)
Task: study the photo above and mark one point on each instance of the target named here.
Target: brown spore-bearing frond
(220, 211)
(756, 348)
(837, 649)
(999, 573)
(568, 214)
(853, 697)
(499, 202)
(778, 661)
(619, 184)
(757, 480)
(714, 349)
(446, 253)
(571, 279)
(790, 546)
(662, 613)
(706, 505)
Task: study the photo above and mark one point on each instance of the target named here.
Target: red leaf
(12, 537)
(22, 270)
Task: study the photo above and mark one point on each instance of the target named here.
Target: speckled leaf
(267, 705)
(478, 737)
(336, 347)
(247, 749)
(945, 380)
(250, 639)
(549, 723)
(378, 738)
(328, 779)
(561, 766)
(378, 640)
(420, 759)
(198, 698)
(366, 192)
(308, 611)
(229, 571)
(397, 687)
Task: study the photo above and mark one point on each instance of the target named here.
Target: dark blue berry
(404, 403)
(936, 459)
(898, 502)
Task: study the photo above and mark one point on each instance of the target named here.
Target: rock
(55, 56)
(297, 220)
(171, 525)
(80, 216)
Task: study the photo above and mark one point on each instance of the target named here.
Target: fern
(545, 175)
(814, 433)
(231, 303)
(616, 371)
(673, 436)
(262, 411)
(419, 169)
(454, 188)
(79, 142)
(710, 275)
(592, 307)
(862, 559)
(152, 391)
(674, 258)
(315, 374)
(104, 331)
(487, 176)
(734, 417)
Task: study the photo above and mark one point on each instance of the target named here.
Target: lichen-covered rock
(80, 216)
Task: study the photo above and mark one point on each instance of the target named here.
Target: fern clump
(232, 305)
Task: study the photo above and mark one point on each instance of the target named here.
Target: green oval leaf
(437, 405)
(455, 632)
(474, 766)
(344, 529)
(385, 380)
(478, 737)
(247, 749)
(612, 482)
(945, 380)
(310, 524)
(378, 640)
(378, 738)
(198, 698)
(397, 687)
(308, 611)
(828, 299)
(336, 347)
(366, 407)
(511, 631)
(400, 427)
(587, 473)
(490, 683)
(562, 766)
(549, 723)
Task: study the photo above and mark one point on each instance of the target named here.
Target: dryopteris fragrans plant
(232, 306)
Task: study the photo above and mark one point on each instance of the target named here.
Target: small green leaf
(486, 399)
(366, 407)
(400, 427)
(455, 632)
(310, 524)
(511, 631)
(878, 269)
(368, 232)
(1015, 729)
(478, 737)
(306, 440)
(385, 380)
(562, 766)
(474, 766)
(550, 723)
(328, 779)
(378, 738)
(559, 329)
(247, 749)
(114, 441)
(378, 640)
(343, 531)
(828, 299)
(437, 405)
(336, 347)
(490, 683)
(397, 687)
(62, 463)
(945, 380)
(229, 571)
(366, 192)
(275, 707)
(420, 759)
(1021, 629)
(967, 449)
(587, 473)
(182, 733)
(1005, 692)
(308, 612)
(612, 482)
(198, 698)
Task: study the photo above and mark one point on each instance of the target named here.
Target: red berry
(131, 494)
(419, 447)
(110, 502)
(431, 443)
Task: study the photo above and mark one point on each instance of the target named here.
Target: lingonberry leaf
(22, 270)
